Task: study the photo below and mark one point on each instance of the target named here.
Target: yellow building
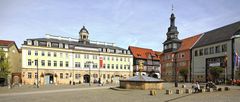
(65, 60)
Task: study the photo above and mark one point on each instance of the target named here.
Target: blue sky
(140, 23)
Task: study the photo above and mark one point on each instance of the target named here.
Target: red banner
(101, 62)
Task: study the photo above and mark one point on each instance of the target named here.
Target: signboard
(214, 64)
(101, 62)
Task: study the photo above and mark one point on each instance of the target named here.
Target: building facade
(65, 60)
(152, 66)
(176, 54)
(216, 48)
(13, 54)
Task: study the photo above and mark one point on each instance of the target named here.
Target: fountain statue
(141, 81)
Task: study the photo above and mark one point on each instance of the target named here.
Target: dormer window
(48, 44)
(60, 45)
(35, 43)
(138, 55)
(66, 46)
(29, 42)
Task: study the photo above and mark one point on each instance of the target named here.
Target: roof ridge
(222, 27)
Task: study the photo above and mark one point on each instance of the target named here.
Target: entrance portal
(86, 78)
(48, 78)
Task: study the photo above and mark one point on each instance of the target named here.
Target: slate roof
(143, 53)
(76, 43)
(218, 35)
(188, 43)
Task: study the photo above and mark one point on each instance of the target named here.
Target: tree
(184, 73)
(215, 72)
(4, 65)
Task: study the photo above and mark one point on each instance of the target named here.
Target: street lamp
(89, 63)
(36, 62)
(175, 67)
(225, 62)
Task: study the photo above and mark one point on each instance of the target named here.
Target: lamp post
(36, 62)
(89, 62)
(225, 70)
(175, 68)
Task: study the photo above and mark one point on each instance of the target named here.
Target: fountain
(141, 82)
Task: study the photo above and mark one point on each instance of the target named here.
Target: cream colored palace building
(65, 60)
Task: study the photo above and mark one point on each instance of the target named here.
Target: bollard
(202, 90)
(210, 90)
(219, 89)
(226, 88)
(153, 92)
(189, 91)
(183, 86)
(179, 91)
(169, 92)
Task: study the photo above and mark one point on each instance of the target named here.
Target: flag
(101, 62)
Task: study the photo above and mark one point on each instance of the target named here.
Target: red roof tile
(187, 43)
(144, 53)
(5, 42)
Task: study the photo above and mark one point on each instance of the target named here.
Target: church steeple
(172, 43)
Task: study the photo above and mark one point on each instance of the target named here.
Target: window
(49, 62)
(29, 75)
(116, 66)
(55, 63)
(174, 45)
(121, 59)
(49, 54)
(61, 63)
(61, 55)
(77, 55)
(29, 62)
(112, 66)
(86, 56)
(95, 65)
(67, 75)
(108, 66)
(108, 58)
(206, 51)
(43, 62)
(200, 52)
(35, 75)
(55, 54)
(77, 64)
(125, 67)
(217, 49)
(196, 53)
(104, 66)
(104, 76)
(120, 66)
(36, 53)
(94, 57)
(67, 55)
(61, 75)
(224, 48)
(211, 50)
(86, 65)
(29, 52)
(108, 76)
(66, 64)
(112, 58)
(77, 76)
(36, 62)
(43, 54)
(116, 58)
(128, 66)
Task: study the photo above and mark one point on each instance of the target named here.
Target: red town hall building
(176, 54)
